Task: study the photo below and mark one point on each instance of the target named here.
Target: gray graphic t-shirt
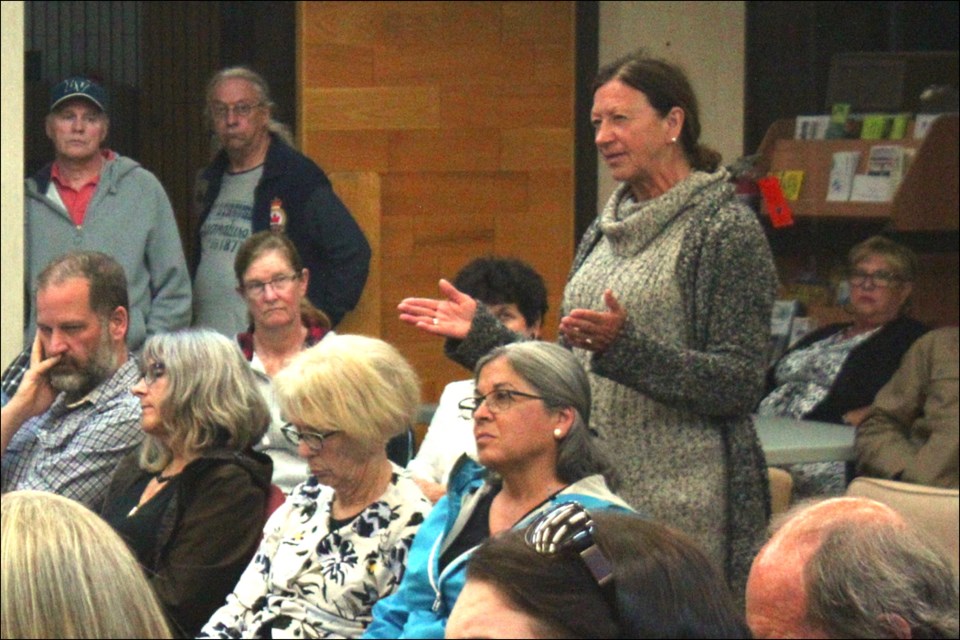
(216, 303)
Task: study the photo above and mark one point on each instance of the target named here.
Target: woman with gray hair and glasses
(531, 411)
(341, 540)
(191, 505)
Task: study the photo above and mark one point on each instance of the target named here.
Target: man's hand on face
(35, 392)
(33, 397)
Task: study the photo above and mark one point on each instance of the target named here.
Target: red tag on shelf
(776, 203)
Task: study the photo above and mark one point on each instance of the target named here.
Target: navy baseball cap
(78, 87)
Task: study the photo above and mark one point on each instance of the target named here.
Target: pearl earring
(674, 140)
(558, 433)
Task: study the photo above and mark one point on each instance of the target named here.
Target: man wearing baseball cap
(93, 199)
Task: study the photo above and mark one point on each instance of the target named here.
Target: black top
(868, 367)
(475, 531)
(139, 528)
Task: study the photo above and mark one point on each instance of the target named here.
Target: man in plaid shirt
(73, 417)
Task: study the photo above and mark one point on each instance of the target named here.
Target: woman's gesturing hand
(594, 330)
(450, 316)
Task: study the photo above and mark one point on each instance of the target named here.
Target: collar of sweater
(631, 226)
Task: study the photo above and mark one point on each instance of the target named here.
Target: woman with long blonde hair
(67, 574)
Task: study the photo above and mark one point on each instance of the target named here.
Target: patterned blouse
(310, 581)
(804, 377)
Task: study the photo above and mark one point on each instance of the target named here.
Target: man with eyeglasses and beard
(73, 417)
(258, 181)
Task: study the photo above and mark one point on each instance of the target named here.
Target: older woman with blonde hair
(191, 504)
(67, 574)
(340, 541)
(834, 373)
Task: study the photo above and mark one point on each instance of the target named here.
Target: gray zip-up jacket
(130, 219)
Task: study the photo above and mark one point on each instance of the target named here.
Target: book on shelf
(876, 126)
(791, 181)
(867, 188)
(839, 114)
(811, 127)
(842, 170)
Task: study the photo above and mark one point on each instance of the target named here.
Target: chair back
(275, 498)
(933, 510)
(781, 490)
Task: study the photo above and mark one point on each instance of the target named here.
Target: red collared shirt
(77, 200)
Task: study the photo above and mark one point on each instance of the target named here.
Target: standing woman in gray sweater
(668, 307)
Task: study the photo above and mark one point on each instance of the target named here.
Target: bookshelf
(923, 214)
(926, 199)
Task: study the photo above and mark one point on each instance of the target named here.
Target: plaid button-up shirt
(73, 450)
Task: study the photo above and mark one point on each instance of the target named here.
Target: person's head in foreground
(82, 317)
(850, 568)
(197, 394)
(579, 574)
(511, 289)
(532, 414)
(344, 399)
(646, 122)
(67, 574)
(272, 280)
(881, 273)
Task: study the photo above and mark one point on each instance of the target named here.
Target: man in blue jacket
(257, 181)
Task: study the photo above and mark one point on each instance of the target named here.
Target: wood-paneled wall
(448, 129)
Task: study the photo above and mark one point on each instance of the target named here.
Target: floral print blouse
(804, 376)
(309, 580)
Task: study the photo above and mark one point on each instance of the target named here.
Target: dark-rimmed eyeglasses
(220, 111)
(153, 371)
(279, 284)
(569, 526)
(497, 401)
(879, 279)
(313, 439)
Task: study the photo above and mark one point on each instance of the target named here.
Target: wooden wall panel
(460, 118)
(360, 192)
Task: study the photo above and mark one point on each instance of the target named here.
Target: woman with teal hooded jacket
(530, 412)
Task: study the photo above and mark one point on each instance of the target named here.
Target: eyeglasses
(879, 279)
(280, 284)
(313, 439)
(221, 111)
(569, 526)
(498, 400)
(152, 372)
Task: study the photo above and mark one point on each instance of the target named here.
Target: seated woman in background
(340, 541)
(531, 411)
(516, 295)
(574, 574)
(272, 280)
(191, 504)
(833, 373)
(67, 574)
